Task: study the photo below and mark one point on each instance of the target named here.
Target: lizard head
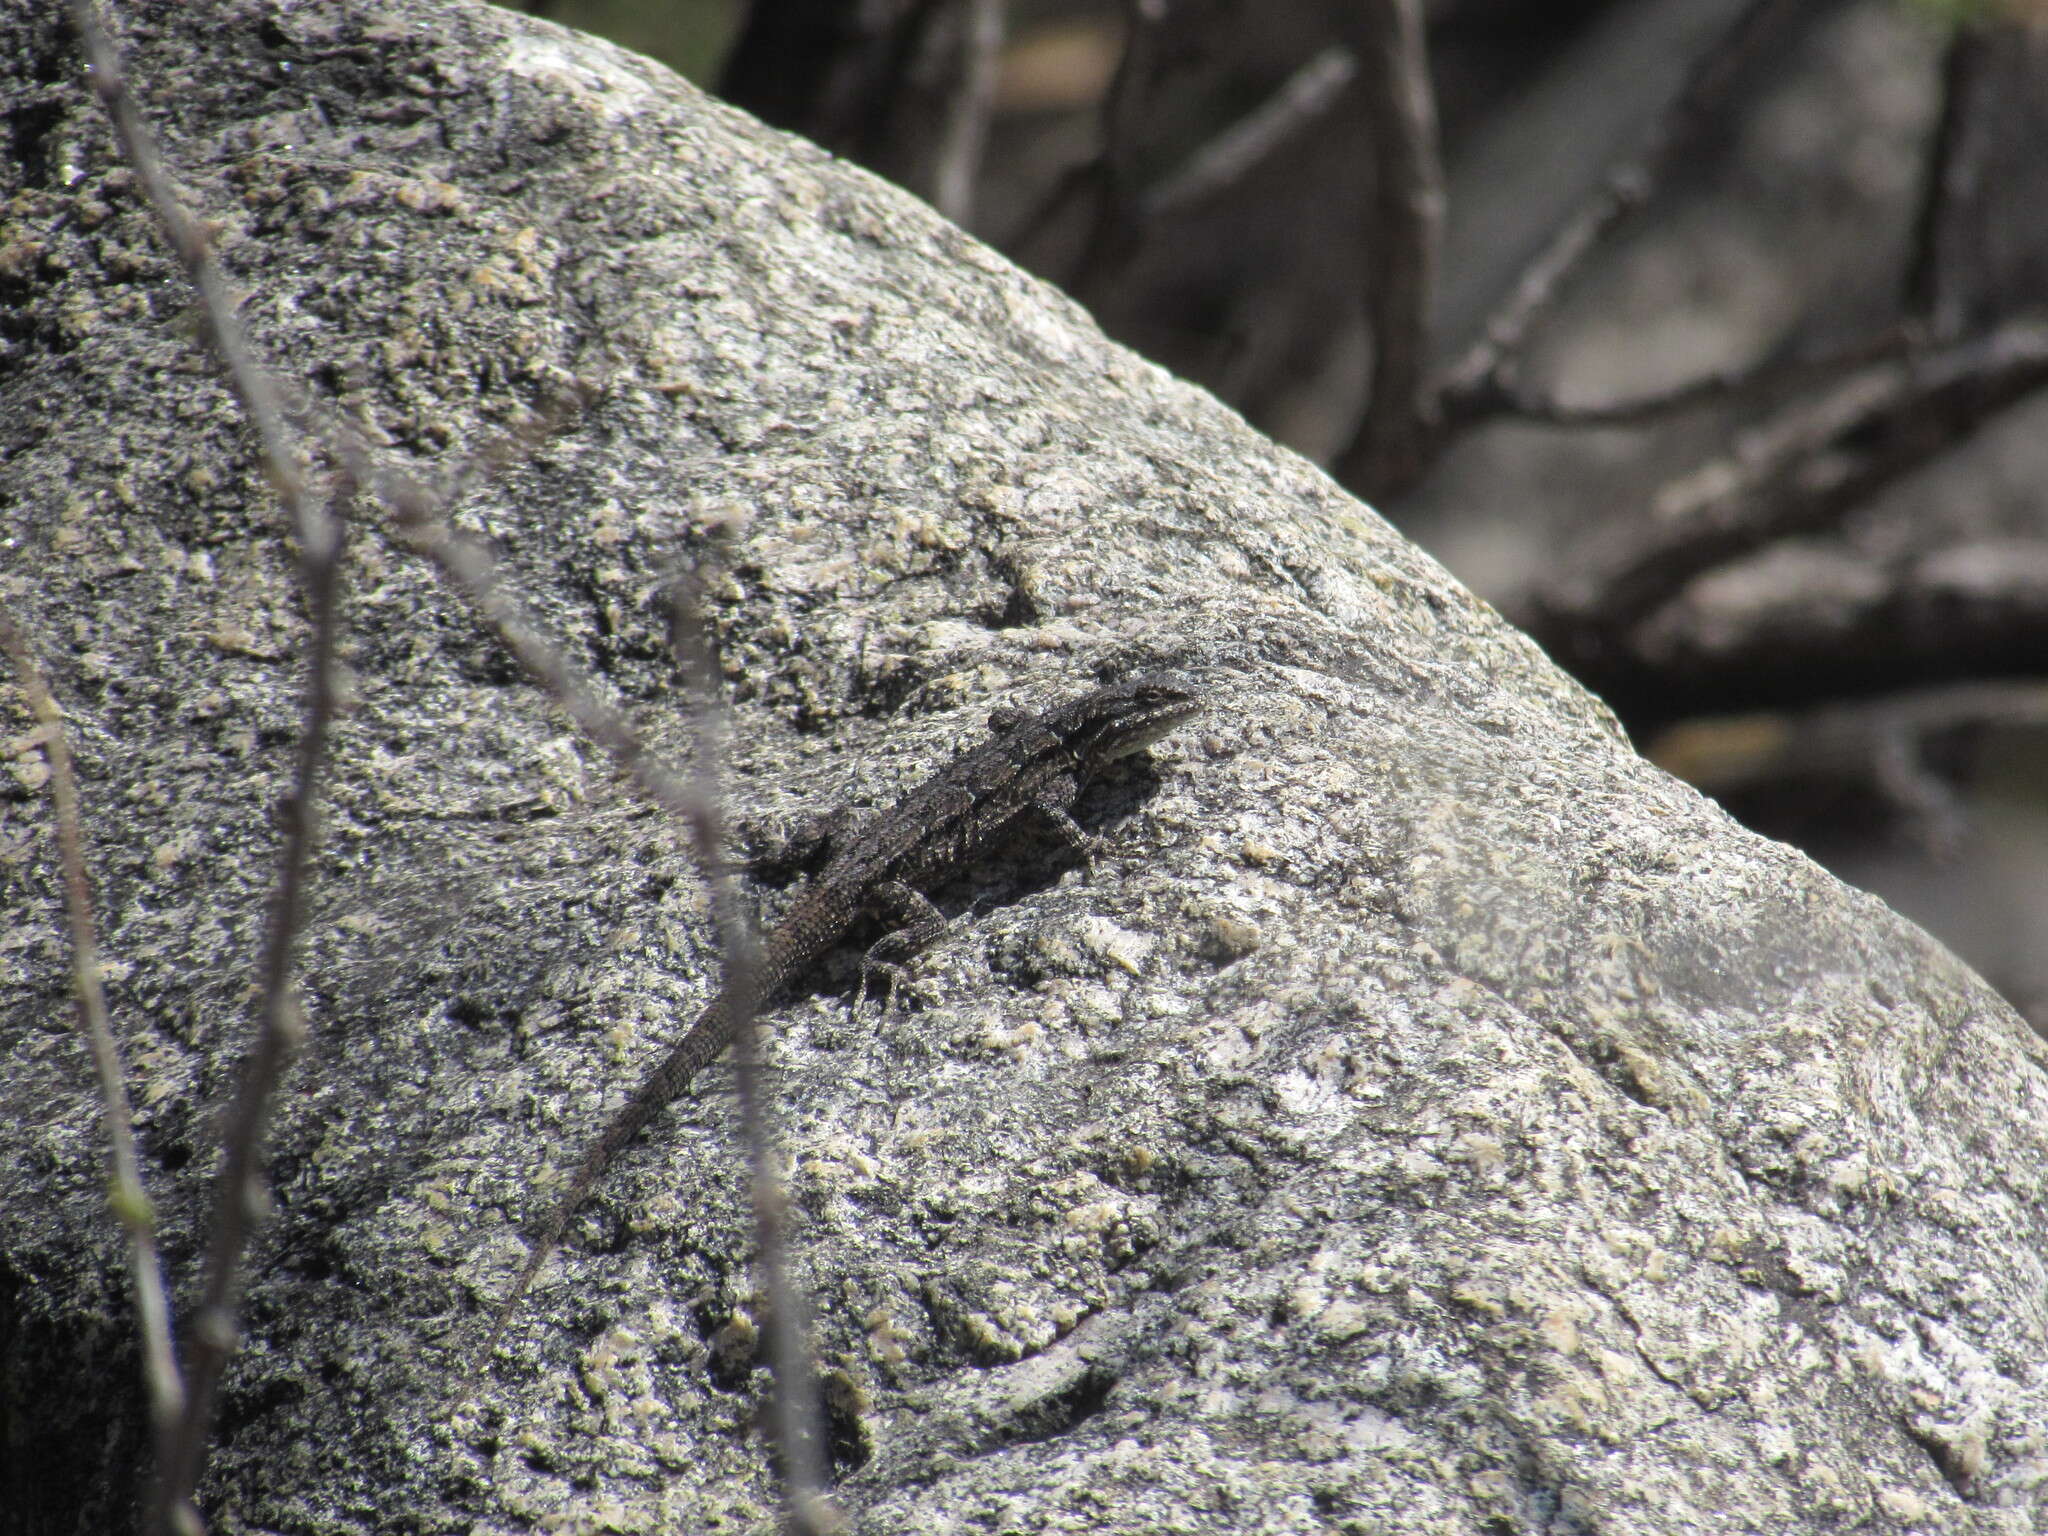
(1126, 717)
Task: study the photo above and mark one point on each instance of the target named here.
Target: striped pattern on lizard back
(1032, 764)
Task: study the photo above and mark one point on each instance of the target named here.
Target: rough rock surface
(1428, 1117)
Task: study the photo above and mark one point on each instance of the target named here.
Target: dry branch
(242, 1197)
(1468, 387)
(1233, 154)
(967, 109)
(184, 1419)
(1399, 433)
(1882, 745)
(1797, 473)
(1716, 388)
(130, 1200)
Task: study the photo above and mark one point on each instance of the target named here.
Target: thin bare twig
(1955, 164)
(1401, 246)
(1112, 175)
(1487, 366)
(252, 384)
(1047, 211)
(1857, 623)
(474, 571)
(1239, 149)
(1797, 473)
(1726, 754)
(469, 565)
(242, 1196)
(972, 99)
(1882, 744)
(795, 1421)
(130, 1201)
(1895, 341)
(1210, 170)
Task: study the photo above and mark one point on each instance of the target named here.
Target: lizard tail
(707, 1037)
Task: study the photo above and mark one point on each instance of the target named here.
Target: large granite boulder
(1427, 1117)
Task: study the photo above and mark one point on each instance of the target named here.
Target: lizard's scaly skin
(1035, 763)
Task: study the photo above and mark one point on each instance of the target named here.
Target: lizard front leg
(1055, 802)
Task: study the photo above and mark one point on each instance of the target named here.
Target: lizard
(1032, 764)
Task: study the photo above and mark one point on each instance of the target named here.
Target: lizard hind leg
(892, 975)
(919, 923)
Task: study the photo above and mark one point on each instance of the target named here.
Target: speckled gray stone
(1428, 1118)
